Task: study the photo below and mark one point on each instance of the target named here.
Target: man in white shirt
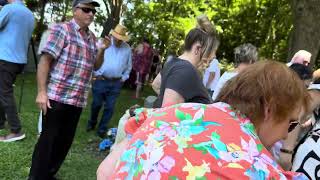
(211, 76)
(108, 80)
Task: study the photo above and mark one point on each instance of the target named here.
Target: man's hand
(308, 123)
(43, 102)
(104, 43)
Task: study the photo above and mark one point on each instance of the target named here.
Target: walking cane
(23, 78)
(21, 93)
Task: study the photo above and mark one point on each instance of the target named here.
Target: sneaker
(12, 137)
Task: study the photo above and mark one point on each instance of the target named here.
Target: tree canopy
(275, 26)
(264, 23)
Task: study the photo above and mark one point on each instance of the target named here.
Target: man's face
(117, 42)
(306, 62)
(84, 14)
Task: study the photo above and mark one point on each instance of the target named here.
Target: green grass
(83, 158)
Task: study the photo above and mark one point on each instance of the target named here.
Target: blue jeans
(104, 92)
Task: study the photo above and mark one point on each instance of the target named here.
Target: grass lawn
(84, 156)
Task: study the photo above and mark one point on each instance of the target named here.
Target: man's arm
(51, 51)
(99, 59)
(285, 159)
(102, 46)
(127, 71)
(42, 77)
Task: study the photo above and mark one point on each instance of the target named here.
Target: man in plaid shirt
(68, 59)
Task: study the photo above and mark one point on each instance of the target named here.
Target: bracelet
(286, 151)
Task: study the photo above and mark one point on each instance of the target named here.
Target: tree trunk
(40, 23)
(109, 24)
(65, 10)
(114, 10)
(305, 34)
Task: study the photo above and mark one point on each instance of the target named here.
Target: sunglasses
(293, 125)
(87, 10)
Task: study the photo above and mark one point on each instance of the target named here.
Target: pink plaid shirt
(74, 52)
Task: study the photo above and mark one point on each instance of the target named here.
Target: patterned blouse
(195, 141)
(142, 61)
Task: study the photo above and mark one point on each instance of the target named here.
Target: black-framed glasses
(293, 125)
(87, 10)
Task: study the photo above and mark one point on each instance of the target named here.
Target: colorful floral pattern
(195, 141)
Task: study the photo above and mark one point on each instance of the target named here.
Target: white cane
(40, 123)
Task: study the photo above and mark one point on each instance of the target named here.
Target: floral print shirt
(195, 141)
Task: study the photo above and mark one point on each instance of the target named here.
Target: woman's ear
(196, 49)
(196, 52)
(267, 113)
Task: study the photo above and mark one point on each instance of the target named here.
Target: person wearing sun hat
(64, 73)
(120, 33)
(109, 79)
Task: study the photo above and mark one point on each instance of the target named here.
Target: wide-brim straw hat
(120, 32)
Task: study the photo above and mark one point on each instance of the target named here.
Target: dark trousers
(2, 117)
(8, 74)
(58, 130)
(104, 92)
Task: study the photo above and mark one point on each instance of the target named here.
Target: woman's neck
(194, 60)
(241, 67)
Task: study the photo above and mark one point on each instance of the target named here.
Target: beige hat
(120, 32)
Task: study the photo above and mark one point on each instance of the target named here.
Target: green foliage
(264, 23)
(164, 23)
(32, 4)
(225, 65)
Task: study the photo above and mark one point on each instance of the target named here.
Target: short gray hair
(245, 53)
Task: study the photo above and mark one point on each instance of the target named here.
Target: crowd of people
(257, 121)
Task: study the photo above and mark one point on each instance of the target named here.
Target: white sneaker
(12, 137)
